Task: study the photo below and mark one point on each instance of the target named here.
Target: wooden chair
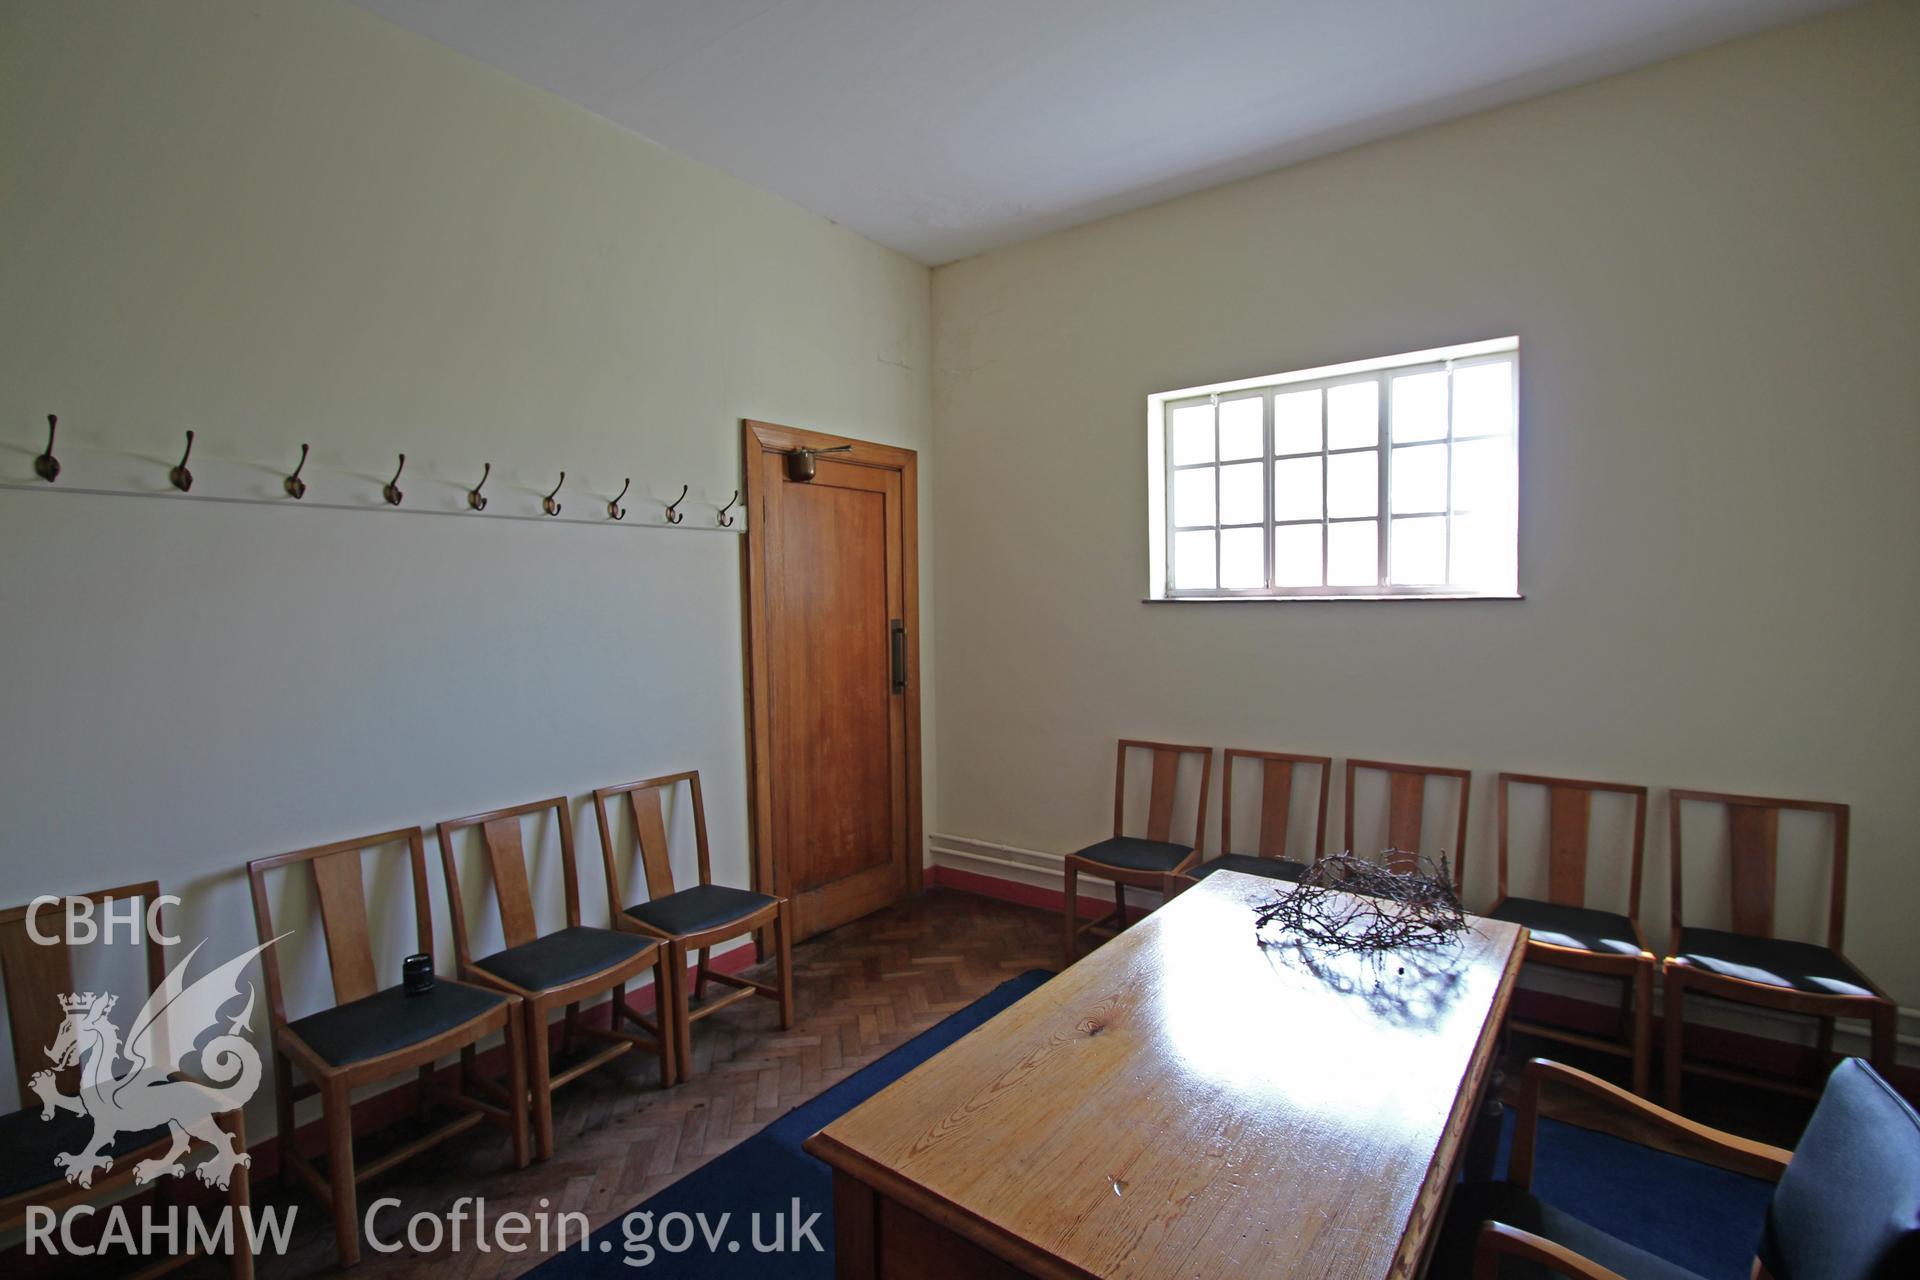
(1269, 856)
(1144, 862)
(555, 970)
(1846, 1204)
(1750, 964)
(373, 1032)
(1407, 807)
(1565, 933)
(692, 919)
(38, 977)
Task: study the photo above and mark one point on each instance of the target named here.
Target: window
(1381, 478)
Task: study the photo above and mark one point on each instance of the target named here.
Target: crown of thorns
(1348, 903)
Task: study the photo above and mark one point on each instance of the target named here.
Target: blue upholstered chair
(1269, 858)
(1145, 862)
(1846, 1207)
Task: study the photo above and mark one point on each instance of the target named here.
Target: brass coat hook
(547, 504)
(474, 499)
(391, 489)
(46, 466)
(726, 521)
(614, 510)
(296, 487)
(674, 514)
(800, 464)
(181, 477)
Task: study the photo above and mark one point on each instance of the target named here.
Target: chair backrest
(1848, 1205)
(646, 800)
(1162, 790)
(1753, 829)
(1570, 833)
(338, 884)
(38, 973)
(1407, 806)
(500, 832)
(1276, 801)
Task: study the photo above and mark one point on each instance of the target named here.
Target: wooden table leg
(1483, 1145)
(855, 1244)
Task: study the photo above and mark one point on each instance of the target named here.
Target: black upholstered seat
(1130, 854)
(390, 1020)
(699, 907)
(28, 1145)
(1848, 1206)
(1270, 868)
(562, 957)
(1475, 1203)
(1583, 928)
(1778, 962)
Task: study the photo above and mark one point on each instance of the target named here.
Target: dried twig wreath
(1349, 904)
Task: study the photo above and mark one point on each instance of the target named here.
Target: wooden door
(833, 686)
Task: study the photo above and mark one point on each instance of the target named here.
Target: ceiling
(944, 128)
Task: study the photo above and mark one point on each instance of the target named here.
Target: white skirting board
(1044, 871)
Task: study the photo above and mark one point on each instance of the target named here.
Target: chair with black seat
(1144, 862)
(558, 970)
(1272, 819)
(1846, 1205)
(692, 920)
(38, 973)
(1407, 796)
(373, 1032)
(1564, 932)
(1750, 964)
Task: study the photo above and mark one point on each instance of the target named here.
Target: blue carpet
(765, 1175)
(1701, 1218)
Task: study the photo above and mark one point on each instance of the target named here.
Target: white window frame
(1161, 471)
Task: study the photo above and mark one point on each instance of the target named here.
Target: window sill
(1496, 599)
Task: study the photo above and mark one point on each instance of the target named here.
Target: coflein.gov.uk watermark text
(642, 1236)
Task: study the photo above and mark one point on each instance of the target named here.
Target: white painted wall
(286, 223)
(1713, 268)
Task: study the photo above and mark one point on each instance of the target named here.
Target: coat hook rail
(614, 510)
(674, 514)
(474, 499)
(296, 487)
(391, 489)
(547, 504)
(725, 520)
(46, 466)
(181, 477)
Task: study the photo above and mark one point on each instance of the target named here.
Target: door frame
(758, 439)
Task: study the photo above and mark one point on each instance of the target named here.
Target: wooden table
(1182, 1102)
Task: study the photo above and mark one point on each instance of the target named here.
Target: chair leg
(1119, 907)
(570, 1029)
(336, 1102)
(682, 1024)
(663, 1020)
(700, 975)
(1676, 1019)
(516, 1085)
(1823, 1044)
(422, 1102)
(783, 927)
(239, 1199)
(1643, 1029)
(1073, 913)
(539, 1079)
(283, 1113)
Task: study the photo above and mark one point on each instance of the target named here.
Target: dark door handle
(898, 635)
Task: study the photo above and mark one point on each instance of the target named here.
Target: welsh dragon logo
(147, 1095)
